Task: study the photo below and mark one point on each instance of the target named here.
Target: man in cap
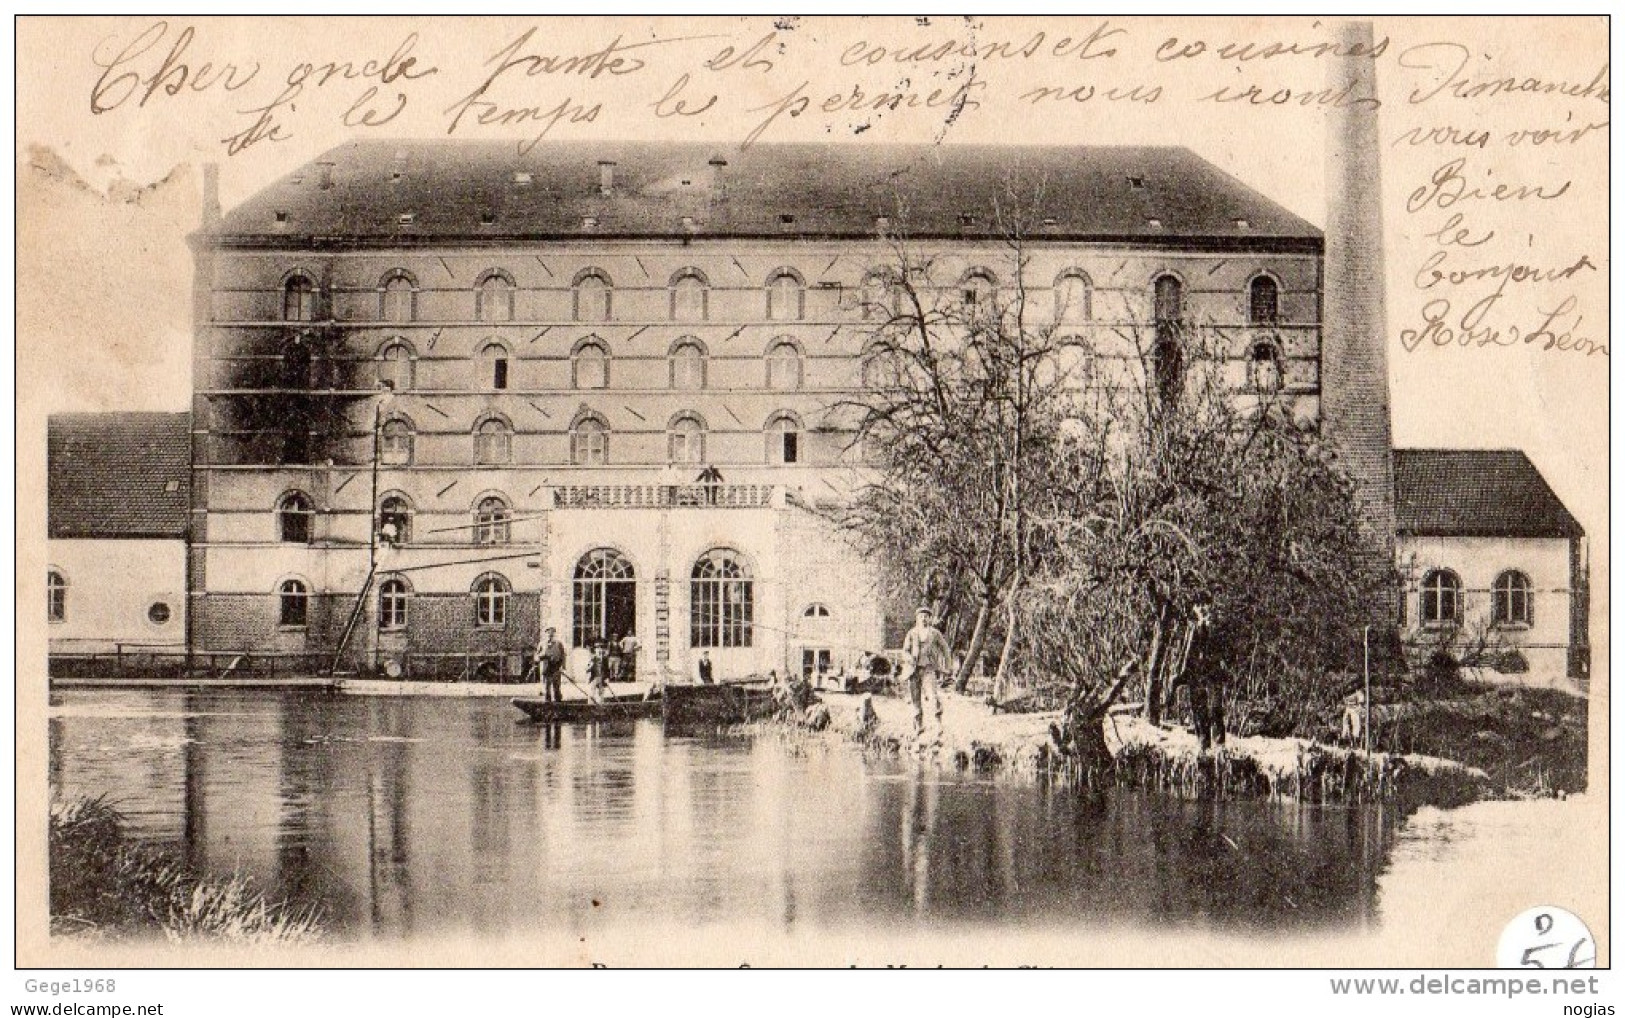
(927, 659)
(550, 658)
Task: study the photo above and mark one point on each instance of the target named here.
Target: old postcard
(813, 491)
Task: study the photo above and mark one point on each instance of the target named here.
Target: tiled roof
(415, 191)
(1476, 493)
(119, 475)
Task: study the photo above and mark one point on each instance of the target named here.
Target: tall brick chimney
(1354, 385)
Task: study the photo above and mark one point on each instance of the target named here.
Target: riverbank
(1170, 759)
(106, 886)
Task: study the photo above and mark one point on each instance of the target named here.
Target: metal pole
(1367, 654)
(372, 517)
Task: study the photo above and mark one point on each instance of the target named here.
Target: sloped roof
(1476, 493)
(359, 192)
(119, 475)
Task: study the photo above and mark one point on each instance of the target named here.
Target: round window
(158, 613)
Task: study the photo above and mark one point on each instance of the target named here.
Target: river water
(428, 817)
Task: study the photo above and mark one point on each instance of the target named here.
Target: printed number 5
(1528, 961)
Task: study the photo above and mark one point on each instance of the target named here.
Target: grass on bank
(106, 885)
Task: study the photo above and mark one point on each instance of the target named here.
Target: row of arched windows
(784, 294)
(688, 362)
(589, 440)
(722, 601)
(592, 297)
(1441, 599)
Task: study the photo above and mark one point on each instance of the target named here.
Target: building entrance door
(605, 600)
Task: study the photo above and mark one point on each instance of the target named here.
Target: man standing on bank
(550, 657)
(706, 676)
(926, 659)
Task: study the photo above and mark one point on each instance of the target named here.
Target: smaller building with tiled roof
(1495, 565)
(120, 475)
(118, 493)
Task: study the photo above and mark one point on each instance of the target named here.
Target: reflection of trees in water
(961, 849)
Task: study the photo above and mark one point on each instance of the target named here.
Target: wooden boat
(614, 708)
(688, 708)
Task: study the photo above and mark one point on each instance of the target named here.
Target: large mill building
(448, 394)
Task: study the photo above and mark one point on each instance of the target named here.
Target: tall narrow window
(56, 597)
(398, 299)
(1510, 600)
(1074, 365)
(491, 600)
(1073, 299)
(298, 300)
(293, 603)
(592, 297)
(494, 356)
(493, 298)
(721, 601)
(1441, 598)
(1263, 302)
(785, 298)
(394, 520)
(783, 440)
(688, 365)
(688, 298)
(686, 440)
(1264, 368)
(293, 518)
(977, 291)
(493, 442)
(604, 600)
(395, 443)
(589, 443)
(1168, 355)
(492, 521)
(395, 366)
(591, 367)
(392, 598)
(783, 366)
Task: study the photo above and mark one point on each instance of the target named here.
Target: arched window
(784, 439)
(296, 358)
(604, 598)
(688, 297)
(397, 298)
(392, 598)
(1441, 598)
(494, 358)
(492, 521)
(816, 610)
(1074, 366)
(1264, 369)
(493, 442)
(1168, 355)
(786, 299)
(395, 366)
(1263, 302)
(1074, 299)
(56, 597)
(395, 442)
(592, 297)
(591, 366)
(721, 601)
(881, 295)
(298, 300)
(783, 366)
(978, 290)
(685, 438)
(394, 520)
(493, 298)
(688, 365)
(294, 514)
(1510, 600)
(491, 600)
(589, 442)
(293, 603)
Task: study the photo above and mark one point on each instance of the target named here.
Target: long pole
(372, 515)
(1366, 727)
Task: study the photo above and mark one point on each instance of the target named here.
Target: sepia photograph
(814, 492)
